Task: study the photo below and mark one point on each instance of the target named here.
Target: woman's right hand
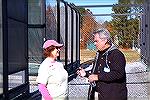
(81, 72)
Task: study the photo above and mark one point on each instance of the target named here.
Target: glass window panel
(74, 37)
(17, 44)
(16, 79)
(19, 10)
(1, 50)
(62, 31)
(51, 19)
(36, 12)
(33, 70)
(35, 42)
(69, 35)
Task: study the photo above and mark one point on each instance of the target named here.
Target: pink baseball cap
(50, 43)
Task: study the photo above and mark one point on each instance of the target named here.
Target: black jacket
(110, 68)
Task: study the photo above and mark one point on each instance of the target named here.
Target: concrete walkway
(137, 84)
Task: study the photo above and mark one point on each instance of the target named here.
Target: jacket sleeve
(117, 68)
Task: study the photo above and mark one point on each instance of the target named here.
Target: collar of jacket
(112, 47)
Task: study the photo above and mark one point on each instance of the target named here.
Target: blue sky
(97, 10)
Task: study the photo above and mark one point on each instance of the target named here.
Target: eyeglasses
(58, 50)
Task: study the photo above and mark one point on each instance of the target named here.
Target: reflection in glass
(16, 79)
(36, 14)
(35, 42)
(51, 19)
(62, 31)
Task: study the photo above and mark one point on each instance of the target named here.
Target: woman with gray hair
(108, 72)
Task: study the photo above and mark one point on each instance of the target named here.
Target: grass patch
(130, 55)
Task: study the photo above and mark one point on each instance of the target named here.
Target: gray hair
(104, 33)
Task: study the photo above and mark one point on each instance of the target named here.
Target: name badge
(106, 69)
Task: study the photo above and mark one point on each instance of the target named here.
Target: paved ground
(137, 85)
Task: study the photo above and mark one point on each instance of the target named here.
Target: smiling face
(100, 41)
(52, 52)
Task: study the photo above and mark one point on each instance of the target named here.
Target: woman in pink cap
(52, 77)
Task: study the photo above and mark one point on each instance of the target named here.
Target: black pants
(91, 93)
